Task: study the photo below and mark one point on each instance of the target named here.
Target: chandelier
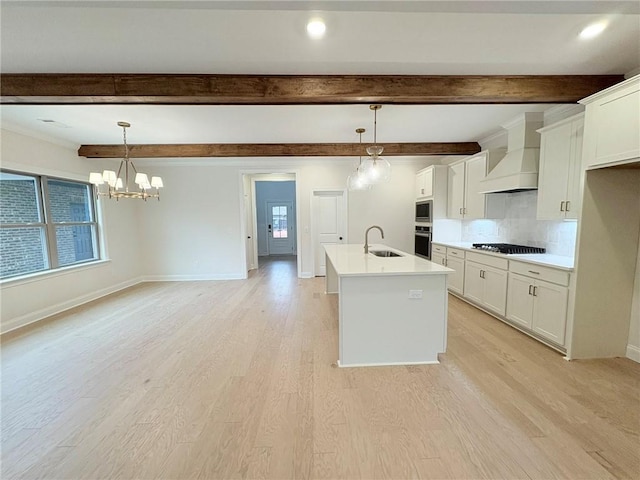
(375, 168)
(357, 180)
(116, 187)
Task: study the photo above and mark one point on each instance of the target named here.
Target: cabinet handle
(422, 191)
(566, 206)
(481, 273)
(445, 262)
(535, 273)
(530, 286)
(461, 211)
(535, 289)
(562, 206)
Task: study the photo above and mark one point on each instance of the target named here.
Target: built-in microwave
(424, 211)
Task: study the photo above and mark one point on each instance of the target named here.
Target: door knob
(339, 238)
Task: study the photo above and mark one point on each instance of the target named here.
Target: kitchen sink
(384, 253)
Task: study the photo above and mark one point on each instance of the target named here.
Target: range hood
(518, 170)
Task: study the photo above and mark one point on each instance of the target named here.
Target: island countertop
(350, 260)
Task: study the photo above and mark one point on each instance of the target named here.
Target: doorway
(270, 211)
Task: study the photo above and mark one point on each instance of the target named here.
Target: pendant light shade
(375, 168)
(357, 180)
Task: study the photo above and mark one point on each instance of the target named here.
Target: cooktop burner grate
(507, 248)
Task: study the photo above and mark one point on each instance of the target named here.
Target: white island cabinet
(392, 310)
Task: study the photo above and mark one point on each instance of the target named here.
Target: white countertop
(350, 259)
(545, 259)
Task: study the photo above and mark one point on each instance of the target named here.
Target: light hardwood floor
(235, 380)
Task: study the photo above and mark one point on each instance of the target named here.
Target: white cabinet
(538, 299)
(612, 125)
(456, 262)
(455, 198)
(424, 183)
(454, 259)
(464, 200)
(486, 283)
(560, 169)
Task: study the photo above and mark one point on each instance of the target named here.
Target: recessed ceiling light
(316, 28)
(593, 30)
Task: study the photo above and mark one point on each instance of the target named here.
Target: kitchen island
(392, 310)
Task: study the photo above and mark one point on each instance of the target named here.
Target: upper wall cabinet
(612, 125)
(424, 183)
(464, 199)
(560, 169)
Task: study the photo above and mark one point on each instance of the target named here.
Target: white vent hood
(518, 170)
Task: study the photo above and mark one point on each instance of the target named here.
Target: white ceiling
(267, 37)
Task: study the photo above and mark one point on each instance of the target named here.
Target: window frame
(48, 225)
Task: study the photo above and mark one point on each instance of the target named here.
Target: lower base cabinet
(487, 286)
(454, 259)
(538, 305)
(456, 279)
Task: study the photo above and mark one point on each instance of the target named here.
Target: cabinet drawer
(440, 249)
(455, 252)
(539, 272)
(490, 260)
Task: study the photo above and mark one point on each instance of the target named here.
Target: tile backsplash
(521, 227)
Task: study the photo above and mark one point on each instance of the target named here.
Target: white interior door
(280, 231)
(329, 223)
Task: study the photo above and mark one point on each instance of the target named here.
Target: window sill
(39, 276)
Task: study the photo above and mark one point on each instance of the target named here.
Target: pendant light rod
(360, 131)
(375, 109)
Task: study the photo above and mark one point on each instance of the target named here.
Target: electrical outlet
(415, 293)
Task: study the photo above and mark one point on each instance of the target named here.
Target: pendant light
(375, 168)
(356, 180)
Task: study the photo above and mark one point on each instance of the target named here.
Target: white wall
(633, 344)
(271, 192)
(195, 230)
(24, 301)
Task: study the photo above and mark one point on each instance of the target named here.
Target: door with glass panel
(280, 228)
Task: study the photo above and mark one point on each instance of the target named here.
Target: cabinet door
(456, 280)
(553, 178)
(550, 311)
(438, 258)
(473, 283)
(428, 183)
(420, 185)
(494, 295)
(575, 171)
(474, 202)
(456, 191)
(617, 135)
(520, 300)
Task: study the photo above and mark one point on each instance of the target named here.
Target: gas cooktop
(507, 248)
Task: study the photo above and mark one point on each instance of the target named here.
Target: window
(45, 223)
(279, 215)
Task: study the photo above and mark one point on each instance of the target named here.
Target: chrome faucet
(366, 237)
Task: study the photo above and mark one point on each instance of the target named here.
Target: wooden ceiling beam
(194, 150)
(297, 89)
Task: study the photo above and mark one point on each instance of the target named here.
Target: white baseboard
(43, 313)
(193, 278)
(388, 364)
(633, 353)
(306, 275)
